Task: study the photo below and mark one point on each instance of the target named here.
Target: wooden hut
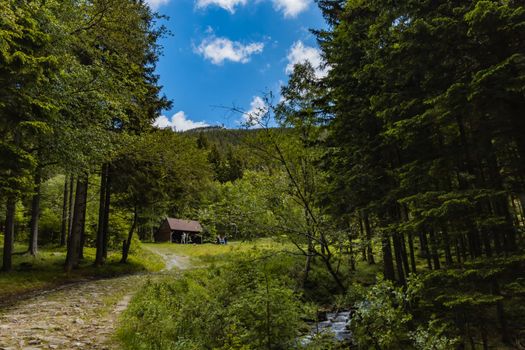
(179, 231)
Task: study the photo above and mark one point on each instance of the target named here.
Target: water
(336, 323)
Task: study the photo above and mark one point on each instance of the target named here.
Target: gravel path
(77, 316)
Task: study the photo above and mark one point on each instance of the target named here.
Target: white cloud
(258, 109)
(291, 8)
(299, 53)
(179, 122)
(218, 50)
(228, 5)
(155, 4)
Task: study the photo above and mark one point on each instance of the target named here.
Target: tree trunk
(446, 245)
(474, 243)
(83, 224)
(406, 218)
(424, 251)
(65, 205)
(434, 249)
(72, 258)
(503, 209)
(333, 273)
(404, 253)
(388, 263)
(516, 211)
(127, 243)
(368, 232)
(9, 235)
(399, 258)
(412, 253)
(521, 196)
(484, 338)
(268, 315)
(463, 247)
(35, 214)
(500, 311)
(351, 259)
(486, 241)
(363, 237)
(107, 204)
(458, 251)
(308, 263)
(71, 209)
(310, 251)
(99, 260)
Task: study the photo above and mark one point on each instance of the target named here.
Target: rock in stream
(336, 323)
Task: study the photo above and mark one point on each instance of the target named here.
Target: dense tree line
(427, 124)
(78, 92)
(409, 154)
(426, 132)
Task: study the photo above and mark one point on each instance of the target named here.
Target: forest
(393, 188)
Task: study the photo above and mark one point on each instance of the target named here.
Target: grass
(213, 254)
(219, 301)
(205, 254)
(46, 269)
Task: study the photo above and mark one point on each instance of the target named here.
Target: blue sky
(225, 53)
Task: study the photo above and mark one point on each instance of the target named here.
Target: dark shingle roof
(184, 225)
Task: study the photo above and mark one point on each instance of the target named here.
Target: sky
(230, 53)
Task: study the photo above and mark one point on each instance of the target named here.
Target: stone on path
(75, 317)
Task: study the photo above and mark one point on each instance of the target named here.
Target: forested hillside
(391, 188)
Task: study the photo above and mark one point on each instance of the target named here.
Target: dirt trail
(77, 316)
(172, 260)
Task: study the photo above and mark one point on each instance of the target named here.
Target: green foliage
(425, 100)
(78, 83)
(226, 168)
(383, 318)
(49, 226)
(432, 337)
(119, 225)
(245, 304)
(242, 209)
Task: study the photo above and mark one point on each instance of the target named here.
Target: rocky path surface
(77, 316)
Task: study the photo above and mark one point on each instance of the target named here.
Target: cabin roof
(184, 225)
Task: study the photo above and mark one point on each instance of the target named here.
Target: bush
(246, 304)
(49, 226)
(383, 318)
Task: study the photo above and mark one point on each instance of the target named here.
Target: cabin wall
(164, 233)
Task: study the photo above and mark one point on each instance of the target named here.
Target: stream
(336, 323)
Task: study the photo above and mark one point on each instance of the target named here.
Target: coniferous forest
(378, 206)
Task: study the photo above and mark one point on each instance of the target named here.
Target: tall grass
(248, 302)
(207, 254)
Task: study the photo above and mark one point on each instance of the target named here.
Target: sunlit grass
(208, 253)
(46, 270)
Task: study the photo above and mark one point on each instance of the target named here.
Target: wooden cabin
(179, 231)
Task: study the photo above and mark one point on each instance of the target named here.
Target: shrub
(246, 304)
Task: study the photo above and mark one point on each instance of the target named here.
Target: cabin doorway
(175, 237)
